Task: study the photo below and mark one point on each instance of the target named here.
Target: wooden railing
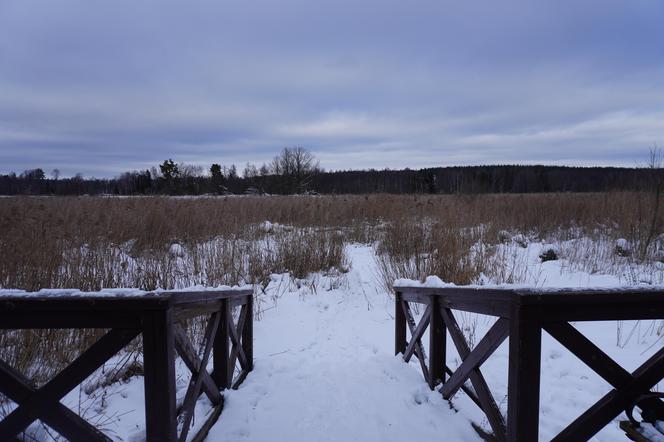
(522, 315)
(155, 316)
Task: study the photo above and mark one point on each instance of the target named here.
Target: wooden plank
(237, 301)
(240, 378)
(603, 312)
(81, 302)
(415, 297)
(399, 325)
(419, 350)
(186, 310)
(49, 319)
(470, 393)
(220, 352)
(211, 296)
(416, 336)
(437, 345)
(524, 376)
(202, 433)
(183, 312)
(482, 390)
(589, 296)
(248, 334)
(485, 348)
(159, 376)
(495, 302)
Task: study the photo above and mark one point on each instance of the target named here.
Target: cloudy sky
(100, 87)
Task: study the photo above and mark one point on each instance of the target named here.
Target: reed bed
(169, 242)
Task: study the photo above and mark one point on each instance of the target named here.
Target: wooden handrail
(522, 315)
(155, 317)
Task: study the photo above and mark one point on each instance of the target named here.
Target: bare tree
(297, 166)
(190, 170)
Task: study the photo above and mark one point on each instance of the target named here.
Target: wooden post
(437, 344)
(399, 325)
(523, 388)
(248, 334)
(220, 354)
(159, 367)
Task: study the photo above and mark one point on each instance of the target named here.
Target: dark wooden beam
(417, 333)
(482, 390)
(485, 348)
(419, 350)
(399, 325)
(220, 352)
(248, 334)
(437, 345)
(524, 375)
(159, 378)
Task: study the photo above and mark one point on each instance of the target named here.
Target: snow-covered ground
(325, 369)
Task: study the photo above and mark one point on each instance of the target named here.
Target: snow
(117, 293)
(325, 369)
(57, 293)
(437, 283)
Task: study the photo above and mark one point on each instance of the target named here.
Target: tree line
(296, 171)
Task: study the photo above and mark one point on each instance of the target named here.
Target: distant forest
(295, 171)
(470, 179)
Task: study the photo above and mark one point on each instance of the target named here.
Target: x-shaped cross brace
(627, 386)
(415, 345)
(44, 403)
(469, 368)
(471, 360)
(237, 350)
(200, 378)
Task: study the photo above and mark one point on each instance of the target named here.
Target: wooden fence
(522, 315)
(154, 316)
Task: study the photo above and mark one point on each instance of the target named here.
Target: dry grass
(96, 242)
(85, 242)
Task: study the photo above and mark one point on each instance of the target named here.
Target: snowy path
(324, 371)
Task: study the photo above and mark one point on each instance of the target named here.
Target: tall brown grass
(101, 242)
(84, 242)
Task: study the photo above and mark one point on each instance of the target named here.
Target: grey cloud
(103, 87)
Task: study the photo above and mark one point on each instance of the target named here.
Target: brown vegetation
(149, 242)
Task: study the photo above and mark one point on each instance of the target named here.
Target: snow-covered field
(325, 369)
